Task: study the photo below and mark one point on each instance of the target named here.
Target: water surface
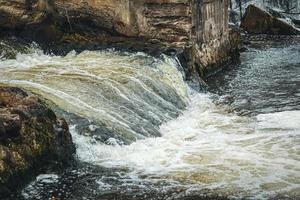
(142, 133)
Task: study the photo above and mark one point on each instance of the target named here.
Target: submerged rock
(258, 21)
(31, 138)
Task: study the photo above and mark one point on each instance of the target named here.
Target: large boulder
(32, 138)
(258, 21)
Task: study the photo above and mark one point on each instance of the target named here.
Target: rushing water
(142, 133)
(267, 80)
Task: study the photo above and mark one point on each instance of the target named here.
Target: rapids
(142, 133)
(127, 96)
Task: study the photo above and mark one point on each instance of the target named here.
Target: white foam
(47, 178)
(211, 147)
(280, 120)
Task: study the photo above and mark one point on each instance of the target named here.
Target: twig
(68, 20)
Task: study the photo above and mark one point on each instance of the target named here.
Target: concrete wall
(201, 26)
(212, 45)
(210, 19)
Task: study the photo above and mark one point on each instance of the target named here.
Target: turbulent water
(142, 133)
(127, 96)
(267, 80)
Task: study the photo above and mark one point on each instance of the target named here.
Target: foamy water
(208, 147)
(126, 95)
(135, 98)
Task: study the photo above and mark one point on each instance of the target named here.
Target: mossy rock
(31, 137)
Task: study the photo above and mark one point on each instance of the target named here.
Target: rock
(31, 138)
(258, 21)
(199, 27)
(296, 22)
(11, 46)
(36, 19)
(2, 129)
(12, 124)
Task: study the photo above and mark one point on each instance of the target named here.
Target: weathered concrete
(211, 35)
(199, 27)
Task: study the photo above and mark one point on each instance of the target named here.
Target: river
(142, 133)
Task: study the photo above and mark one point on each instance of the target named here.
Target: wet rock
(258, 21)
(157, 25)
(2, 128)
(31, 138)
(12, 124)
(34, 19)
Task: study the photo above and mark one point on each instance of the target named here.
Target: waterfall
(134, 115)
(125, 96)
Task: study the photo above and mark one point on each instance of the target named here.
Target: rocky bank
(32, 138)
(197, 30)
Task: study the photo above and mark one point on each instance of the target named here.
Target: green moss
(36, 145)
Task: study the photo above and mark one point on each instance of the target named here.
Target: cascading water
(127, 96)
(179, 143)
